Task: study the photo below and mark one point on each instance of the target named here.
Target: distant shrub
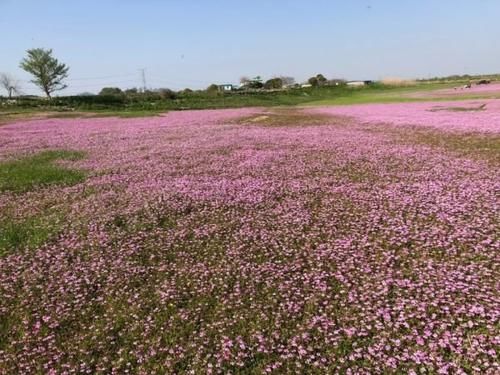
(110, 91)
(167, 94)
(132, 91)
(313, 81)
(213, 89)
(273, 83)
(318, 80)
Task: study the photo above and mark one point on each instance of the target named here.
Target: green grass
(27, 174)
(143, 106)
(387, 94)
(30, 232)
(381, 94)
(39, 170)
(130, 107)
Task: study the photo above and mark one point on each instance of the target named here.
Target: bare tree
(244, 80)
(287, 81)
(9, 84)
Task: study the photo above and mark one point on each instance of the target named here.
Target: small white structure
(305, 85)
(226, 87)
(356, 83)
(359, 83)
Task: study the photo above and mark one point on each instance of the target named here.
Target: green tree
(318, 80)
(49, 73)
(313, 81)
(167, 93)
(255, 83)
(321, 79)
(273, 83)
(110, 91)
(133, 91)
(213, 89)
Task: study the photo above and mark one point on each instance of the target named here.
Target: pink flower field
(336, 240)
(464, 116)
(489, 89)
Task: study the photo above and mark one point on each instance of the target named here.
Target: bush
(167, 94)
(313, 81)
(273, 83)
(213, 89)
(111, 91)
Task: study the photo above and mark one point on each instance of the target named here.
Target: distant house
(359, 83)
(226, 87)
(305, 85)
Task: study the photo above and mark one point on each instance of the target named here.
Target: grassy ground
(70, 107)
(27, 174)
(27, 233)
(399, 95)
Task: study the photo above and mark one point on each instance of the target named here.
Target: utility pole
(143, 74)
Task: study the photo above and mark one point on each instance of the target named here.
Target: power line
(183, 82)
(90, 85)
(90, 78)
(102, 77)
(157, 80)
(100, 84)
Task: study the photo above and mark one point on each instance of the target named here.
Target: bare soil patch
(290, 117)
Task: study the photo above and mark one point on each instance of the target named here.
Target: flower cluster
(201, 244)
(463, 116)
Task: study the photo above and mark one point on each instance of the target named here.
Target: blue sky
(192, 43)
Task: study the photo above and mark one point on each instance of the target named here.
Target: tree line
(49, 75)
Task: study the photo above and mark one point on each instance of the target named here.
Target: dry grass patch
(481, 107)
(475, 145)
(483, 146)
(290, 117)
(10, 117)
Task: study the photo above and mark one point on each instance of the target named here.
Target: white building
(359, 83)
(226, 87)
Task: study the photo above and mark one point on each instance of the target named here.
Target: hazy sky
(192, 43)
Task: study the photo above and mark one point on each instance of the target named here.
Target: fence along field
(359, 239)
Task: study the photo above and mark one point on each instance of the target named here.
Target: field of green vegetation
(148, 104)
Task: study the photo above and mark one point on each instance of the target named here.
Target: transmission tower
(143, 75)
